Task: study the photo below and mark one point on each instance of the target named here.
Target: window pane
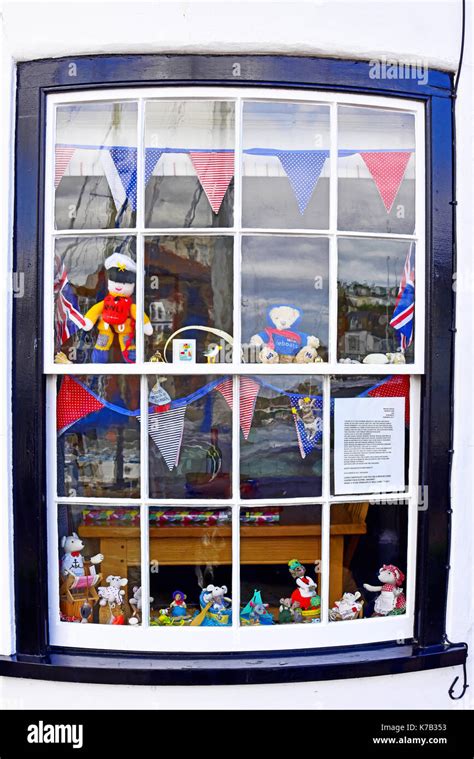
(189, 283)
(285, 180)
(98, 436)
(190, 446)
(280, 555)
(281, 454)
(98, 583)
(285, 299)
(370, 445)
(376, 301)
(190, 567)
(96, 165)
(189, 164)
(94, 300)
(370, 548)
(376, 170)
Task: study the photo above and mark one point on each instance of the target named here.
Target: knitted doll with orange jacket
(117, 313)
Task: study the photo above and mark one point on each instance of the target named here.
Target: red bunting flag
(73, 402)
(394, 387)
(215, 171)
(248, 396)
(62, 157)
(387, 169)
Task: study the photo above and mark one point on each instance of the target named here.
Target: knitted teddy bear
(280, 342)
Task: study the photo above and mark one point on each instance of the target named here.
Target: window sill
(235, 669)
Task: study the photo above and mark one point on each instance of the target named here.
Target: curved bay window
(233, 351)
(233, 367)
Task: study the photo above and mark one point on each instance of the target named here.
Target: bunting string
(215, 169)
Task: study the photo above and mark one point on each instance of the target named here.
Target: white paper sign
(369, 445)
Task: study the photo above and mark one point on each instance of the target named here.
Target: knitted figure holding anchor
(116, 314)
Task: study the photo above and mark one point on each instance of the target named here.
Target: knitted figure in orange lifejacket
(306, 592)
(117, 313)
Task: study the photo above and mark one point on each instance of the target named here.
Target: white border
(235, 638)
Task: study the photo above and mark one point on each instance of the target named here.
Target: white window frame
(235, 638)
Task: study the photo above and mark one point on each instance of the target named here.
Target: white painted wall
(419, 29)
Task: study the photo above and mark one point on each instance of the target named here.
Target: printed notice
(369, 445)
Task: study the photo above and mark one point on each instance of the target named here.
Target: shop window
(233, 368)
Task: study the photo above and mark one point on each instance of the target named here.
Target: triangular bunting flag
(152, 156)
(166, 431)
(248, 396)
(394, 387)
(215, 171)
(308, 416)
(226, 390)
(303, 169)
(125, 162)
(387, 169)
(63, 156)
(73, 403)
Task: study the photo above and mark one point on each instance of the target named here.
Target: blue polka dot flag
(303, 169)
(125, 160)
(152, 156)
(308, 415)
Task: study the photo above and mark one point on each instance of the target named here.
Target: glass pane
(376, 301)
(98, 583)
(189, 287)
(370, 426)
(285, 174)
(285, 299)
(280, 556)
(189, 164)
(376, 170)
(98, 436)
(190, 567)
(96, 165)
(281, 421)
(94, 300)
(368, 560)
(190, 446)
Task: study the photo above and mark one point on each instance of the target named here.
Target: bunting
(387, 169)
(63, 157)
(248, 397)
(215, 171)
(152, 156)
(166, 431)
(303, 169)
(125, 162)
(74, 401)
(396, 386)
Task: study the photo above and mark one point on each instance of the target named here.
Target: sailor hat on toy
(121, 262)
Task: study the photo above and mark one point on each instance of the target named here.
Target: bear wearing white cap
(117, 313)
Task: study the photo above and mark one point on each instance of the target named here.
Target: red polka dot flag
(73, 403)
(394, 387)
(387, 169)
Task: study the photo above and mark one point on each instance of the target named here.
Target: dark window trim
(37, 79)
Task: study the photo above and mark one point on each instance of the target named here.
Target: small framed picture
(184, 351)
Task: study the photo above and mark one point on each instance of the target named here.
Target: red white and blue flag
(67, 318)
(403, 315)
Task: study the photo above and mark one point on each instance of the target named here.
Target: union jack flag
(67, 318)
(402, 319)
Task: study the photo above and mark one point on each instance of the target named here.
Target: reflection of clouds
(282, 270)
(365, 261)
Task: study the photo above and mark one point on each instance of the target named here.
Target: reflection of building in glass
(364, 319)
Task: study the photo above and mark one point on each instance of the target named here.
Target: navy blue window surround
(429, 648)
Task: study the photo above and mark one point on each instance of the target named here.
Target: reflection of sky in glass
(375, 128)
(286, 126)
(365, 261)
(283, 270)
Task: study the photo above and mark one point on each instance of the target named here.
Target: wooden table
(272, 544)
